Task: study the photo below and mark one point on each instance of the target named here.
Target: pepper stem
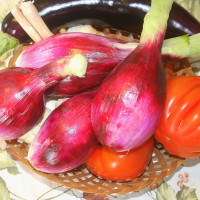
(155, 21)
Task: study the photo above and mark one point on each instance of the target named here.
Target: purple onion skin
(22, 96)
(18, 98)
(72, 85)
(129, 103)
(66, 138)
(97, 49)
(100, 51)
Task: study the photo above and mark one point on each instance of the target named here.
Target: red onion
(66, 138)
(103, 55)
(129, 103)
(22, 93)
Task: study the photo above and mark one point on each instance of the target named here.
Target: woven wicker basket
(161, 165)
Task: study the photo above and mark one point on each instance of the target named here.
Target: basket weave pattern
(161, 165)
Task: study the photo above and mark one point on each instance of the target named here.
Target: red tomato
(179, 129)
(120, 166)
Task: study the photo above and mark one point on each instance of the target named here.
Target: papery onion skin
(66, 138)
(98, 49)
(101, 52)
(22, 93)
(17, 115)
(130, 101)
(103, 55)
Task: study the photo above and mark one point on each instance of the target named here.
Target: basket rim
(17, 149)
(14, 146)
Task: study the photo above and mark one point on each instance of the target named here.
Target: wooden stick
(25, 24)
(32, 15)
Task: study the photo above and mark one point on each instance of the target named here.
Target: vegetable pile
(120, 99)
(103, 54)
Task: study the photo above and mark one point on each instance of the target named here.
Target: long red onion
(22, 93)
(103, 55)
(129, 103)
(66, 138)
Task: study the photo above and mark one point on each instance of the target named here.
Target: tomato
(120, 166)
(179, 129)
